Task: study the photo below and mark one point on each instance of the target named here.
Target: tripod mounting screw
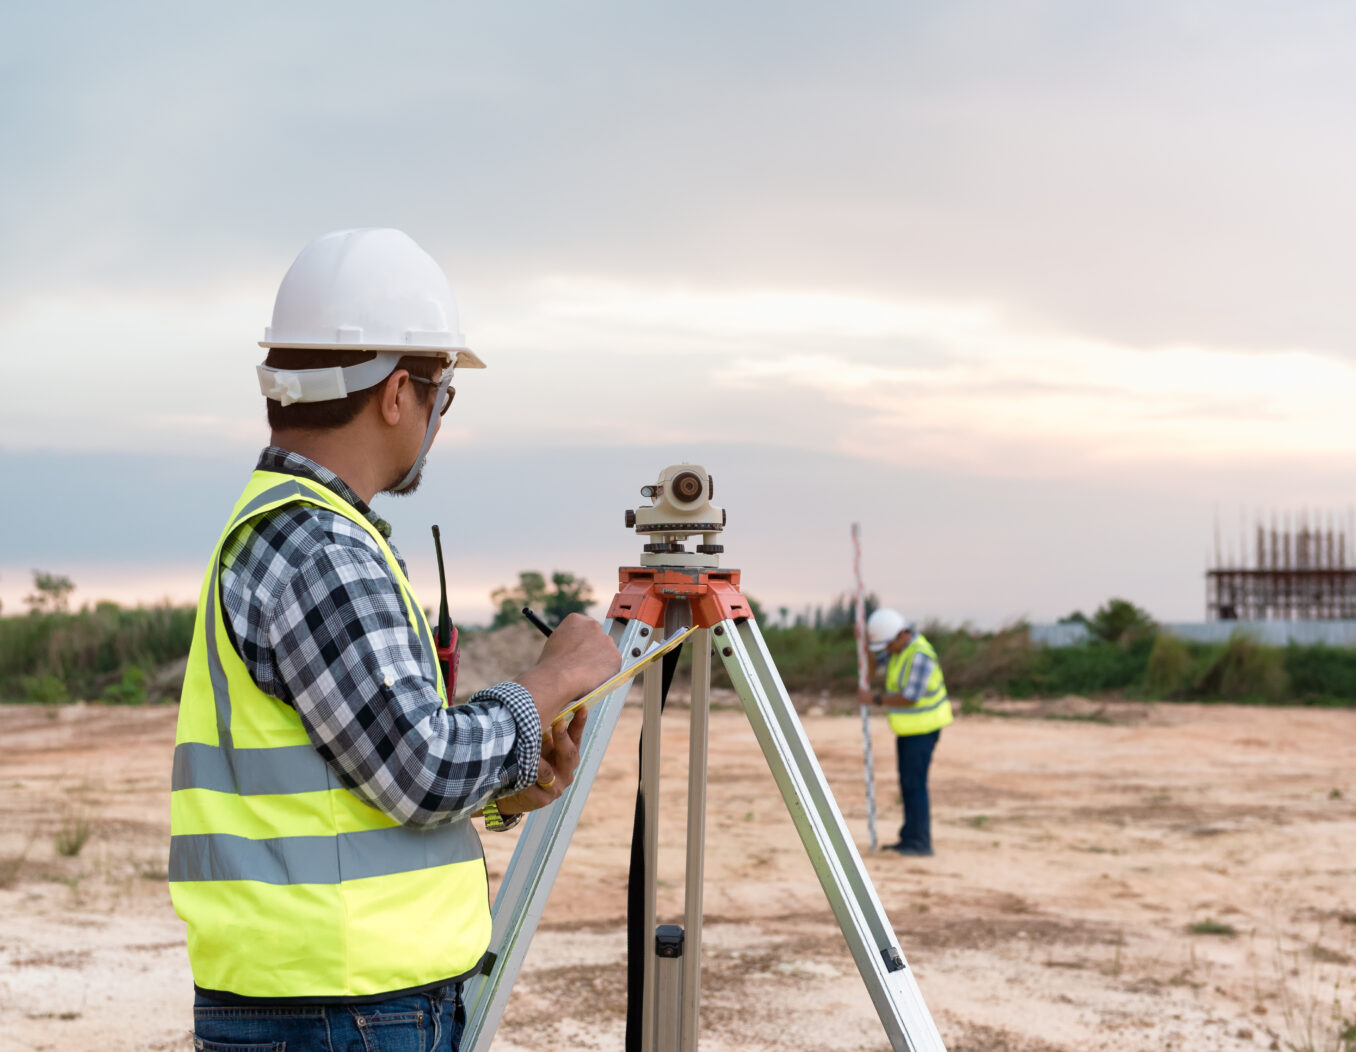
(727, 651)
(644, 631)
(720, 630)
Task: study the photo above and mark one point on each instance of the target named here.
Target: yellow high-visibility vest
(933, 709)
(292, 886)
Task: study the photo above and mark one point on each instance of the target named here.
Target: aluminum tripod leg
(649, 795)
(698, 742)
(532, 871)
(888, 978)
(672, 1005)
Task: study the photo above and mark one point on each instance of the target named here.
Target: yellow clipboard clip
(601, 691)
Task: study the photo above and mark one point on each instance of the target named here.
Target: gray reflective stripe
(251, 772)
(320, 859)
(282, 491)
(916, 711)
(221, 691)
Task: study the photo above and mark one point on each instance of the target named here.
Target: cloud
(987, 258)
(1146, 174)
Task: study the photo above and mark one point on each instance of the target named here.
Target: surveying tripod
(671, 590)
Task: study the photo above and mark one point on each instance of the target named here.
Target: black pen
(537, 623)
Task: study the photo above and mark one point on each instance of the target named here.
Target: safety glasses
(446, 391)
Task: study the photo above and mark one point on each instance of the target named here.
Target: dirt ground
(1078, 846)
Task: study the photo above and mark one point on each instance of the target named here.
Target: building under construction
(1298, 573)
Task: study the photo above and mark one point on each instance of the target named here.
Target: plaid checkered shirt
(919, 674)
(317, 616)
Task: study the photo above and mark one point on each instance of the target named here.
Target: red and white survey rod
(863, 682)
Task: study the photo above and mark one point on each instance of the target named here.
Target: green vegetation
(568, 595)
(50, 656)
(1127, 655)
(110, 653)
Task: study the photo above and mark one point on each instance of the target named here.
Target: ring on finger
(547, 785)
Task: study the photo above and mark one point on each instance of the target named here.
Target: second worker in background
(916, 699)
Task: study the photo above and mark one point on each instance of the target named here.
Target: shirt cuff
(527, 749)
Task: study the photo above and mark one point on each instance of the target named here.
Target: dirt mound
(492, 657)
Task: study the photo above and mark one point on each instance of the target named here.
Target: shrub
(46, 690)
(1244, 670)
(1085, 669)
(130, 690)
(1321, 673)
(981, 661)
(1121, 621)
(1170, 670)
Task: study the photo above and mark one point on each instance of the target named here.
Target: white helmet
(882, 627)
(361, 290)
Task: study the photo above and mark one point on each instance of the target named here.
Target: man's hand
(577, 656)
(555, 772)
(865, 697)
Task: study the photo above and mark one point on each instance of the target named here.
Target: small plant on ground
(71, 836)
(1209, 926)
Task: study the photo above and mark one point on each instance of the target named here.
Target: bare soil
(1108, 876)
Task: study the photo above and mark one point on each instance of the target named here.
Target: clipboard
(601, 691)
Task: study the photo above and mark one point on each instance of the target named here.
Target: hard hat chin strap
(325, 385)
(433, 417)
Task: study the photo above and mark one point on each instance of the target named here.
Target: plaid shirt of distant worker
(919, 674)
(311, 604)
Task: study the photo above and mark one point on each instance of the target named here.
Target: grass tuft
(72, 834)
(1209, 926)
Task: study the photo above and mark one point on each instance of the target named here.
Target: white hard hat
(882, 627)
(361, 290)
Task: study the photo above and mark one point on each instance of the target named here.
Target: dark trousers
(428, 1022)
(914, 753)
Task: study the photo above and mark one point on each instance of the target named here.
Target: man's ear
(388, 398)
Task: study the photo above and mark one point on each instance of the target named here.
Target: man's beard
(391, 488)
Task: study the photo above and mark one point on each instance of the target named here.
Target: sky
(1038, 293)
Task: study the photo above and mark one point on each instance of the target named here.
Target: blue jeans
(914, 754)
(428, 1022)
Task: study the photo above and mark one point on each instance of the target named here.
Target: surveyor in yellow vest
(322, 852)
(915, 696)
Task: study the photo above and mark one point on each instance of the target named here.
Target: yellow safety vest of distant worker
(932, 710)
(291, 885)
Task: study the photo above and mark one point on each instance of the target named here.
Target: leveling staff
(915, 694)
(322, 850)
